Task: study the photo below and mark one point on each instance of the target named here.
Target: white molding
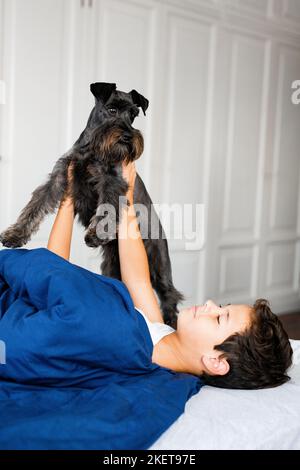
(171, 40)
(240, 241)
(208, 152)
(263, 128)
(173, 22)
(286, 14)
(270, 285)
(67, 70)
(283, 231)
(225, 254)
(255, 279)
(230, 137)
(277, 141)
(298, 220)
(297, 269)
(231, 14)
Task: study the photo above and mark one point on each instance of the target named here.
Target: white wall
(1, 71)
(220, 130)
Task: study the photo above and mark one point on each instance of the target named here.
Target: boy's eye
(218, 319)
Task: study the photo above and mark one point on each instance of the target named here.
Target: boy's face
(201, 327)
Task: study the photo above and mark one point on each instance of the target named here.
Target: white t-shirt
(157, 330)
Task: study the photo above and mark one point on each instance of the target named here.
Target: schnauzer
(97, 156)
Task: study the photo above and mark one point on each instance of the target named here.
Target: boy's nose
(211, 305)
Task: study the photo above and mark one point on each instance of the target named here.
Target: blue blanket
(78, 372)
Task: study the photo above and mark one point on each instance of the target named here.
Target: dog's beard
(111, 149)
(138, 144)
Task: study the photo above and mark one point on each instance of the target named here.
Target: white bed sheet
(239, 419)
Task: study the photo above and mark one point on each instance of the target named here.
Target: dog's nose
(126, 137)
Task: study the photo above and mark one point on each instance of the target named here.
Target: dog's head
(109, 129)
(113, 103)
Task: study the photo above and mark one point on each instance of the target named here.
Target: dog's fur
(97, 156)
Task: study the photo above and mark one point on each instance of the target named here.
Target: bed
(67, 384)
(240, 419)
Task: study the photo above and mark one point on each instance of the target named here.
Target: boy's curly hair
(259, 356)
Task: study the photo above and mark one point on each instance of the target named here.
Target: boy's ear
(214, 365)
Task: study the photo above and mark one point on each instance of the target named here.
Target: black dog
(97, 156)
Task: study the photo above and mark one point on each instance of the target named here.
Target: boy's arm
(133, 257)
(61, 233)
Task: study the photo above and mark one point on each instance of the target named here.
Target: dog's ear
(139, 100)
(102, 91)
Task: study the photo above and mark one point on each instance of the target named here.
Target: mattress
(221, 419)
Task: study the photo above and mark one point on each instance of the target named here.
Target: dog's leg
(158, 256)
(44, 200)
(110, 265)
(161, 279)
(109, 189)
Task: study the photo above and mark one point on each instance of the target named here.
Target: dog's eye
(112, 110)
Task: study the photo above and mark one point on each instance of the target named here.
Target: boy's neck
(168, 353)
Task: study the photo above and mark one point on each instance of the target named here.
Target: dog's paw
(100, 231)
(92, 240)
(12, 238)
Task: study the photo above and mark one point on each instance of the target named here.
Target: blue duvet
(78, 372)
